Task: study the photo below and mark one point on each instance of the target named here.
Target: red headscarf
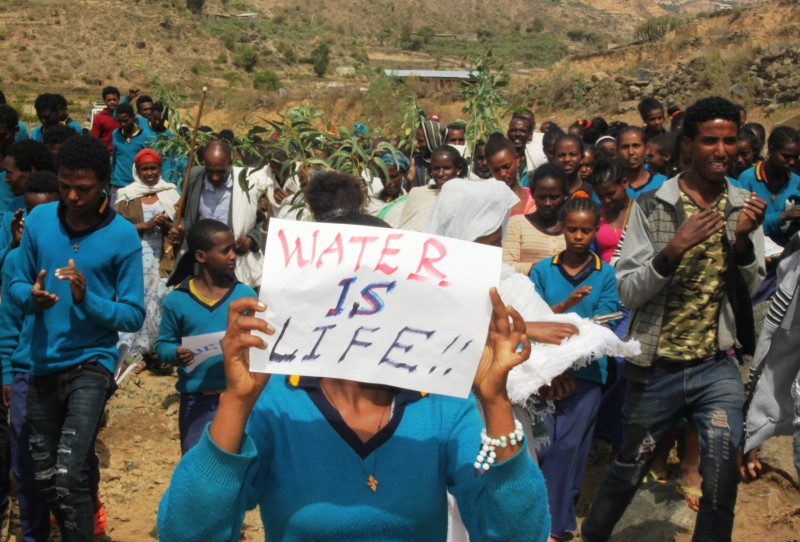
(147, 156)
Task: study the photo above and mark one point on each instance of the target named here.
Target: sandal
(688, 492)
(652, 476)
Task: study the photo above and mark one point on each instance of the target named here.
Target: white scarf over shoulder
(167, 193)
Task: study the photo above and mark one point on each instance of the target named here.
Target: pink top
(607, 239)
(530, 204)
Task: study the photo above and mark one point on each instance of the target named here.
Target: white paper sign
(376, 305)
(202, 347)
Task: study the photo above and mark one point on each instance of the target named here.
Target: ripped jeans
(64, 411)
(713, 395)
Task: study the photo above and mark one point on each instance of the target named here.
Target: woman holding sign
(332, 459)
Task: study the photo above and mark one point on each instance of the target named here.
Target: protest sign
(202, 347)
(376, 305)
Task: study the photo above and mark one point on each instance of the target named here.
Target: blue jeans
(64, 412)
(196, 411)
(711, 394)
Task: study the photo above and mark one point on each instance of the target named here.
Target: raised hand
(500, 354)
(752, 215)
(77, 282)
(17, 227)
(41, 297)
(694, 230)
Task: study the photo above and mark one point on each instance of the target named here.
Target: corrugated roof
(430, 74)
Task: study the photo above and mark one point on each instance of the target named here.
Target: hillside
(131, 42)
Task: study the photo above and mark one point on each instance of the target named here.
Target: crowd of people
(112, 254)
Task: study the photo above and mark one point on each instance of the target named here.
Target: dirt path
(139, 447)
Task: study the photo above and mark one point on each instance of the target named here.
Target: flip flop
(652, 476)
(687, 492)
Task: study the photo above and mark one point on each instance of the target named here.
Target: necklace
(625, 220)
(372, 482)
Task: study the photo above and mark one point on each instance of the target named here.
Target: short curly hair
(85, 152)
(9, 116)
(31, 155)
(57, 134)
(331, 190)
(707, 109)
(42, 182)
(45, 102)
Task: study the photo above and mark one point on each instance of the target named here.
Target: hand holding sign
(501, 353)
(376, 305)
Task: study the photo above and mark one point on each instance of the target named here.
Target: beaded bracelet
(487, 454)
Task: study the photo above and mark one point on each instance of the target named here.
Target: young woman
(537, 235)
(503, 162)
(652, 113)
(631, 150)
(569, 154)
(615, 205)
(446, 163)
(660, 151)
(747, 145)
(310, 451)
(576, 280)
(587, 164)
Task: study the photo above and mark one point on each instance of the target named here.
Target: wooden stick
(181, 201)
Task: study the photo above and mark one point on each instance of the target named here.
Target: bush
(322, 57)
(656, 28)
(195, 6)
(246, 59)
(266, 80)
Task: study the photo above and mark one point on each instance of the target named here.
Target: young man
(46, 112)
(23, 158)
(127, 141)
(689, 246)
(519, 132)
(9, 128)
(173, 167)
(79, 272)
(63, 114)
(105, 122)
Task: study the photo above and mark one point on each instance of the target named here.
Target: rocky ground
(139, 448)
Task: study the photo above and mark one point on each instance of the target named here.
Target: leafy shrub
(246, 59)
(266, 80)
(656, 28)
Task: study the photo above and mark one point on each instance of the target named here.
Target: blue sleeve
(10, 325)
(24, 275)
(169, 330)
(207, 496)
(509, 499)
(22, 135)
(772, 222)
(537, 277)
(126, 312)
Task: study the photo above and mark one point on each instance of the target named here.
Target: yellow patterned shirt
(691, 315)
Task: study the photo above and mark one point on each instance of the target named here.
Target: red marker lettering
(363, 240)
(335, 246)
(383, 267)
(427, 262)
(298, 249)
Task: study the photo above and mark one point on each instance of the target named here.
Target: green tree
(656, 28)
(195, 6)
(426, 33)
(482, 97)
(246, 59)
(266, 80)
(321, 58)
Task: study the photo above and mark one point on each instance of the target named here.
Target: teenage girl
(199, 306)
(569, 154)
(587, 164)
(631, 143)
(747, 146)
(503, 162)
(537, 235)
(576, 280)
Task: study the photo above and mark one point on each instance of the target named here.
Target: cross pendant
(76, 247)
(372, 482)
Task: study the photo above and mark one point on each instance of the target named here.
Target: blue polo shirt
(555, 285)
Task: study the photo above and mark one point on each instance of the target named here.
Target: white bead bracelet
(487, 454)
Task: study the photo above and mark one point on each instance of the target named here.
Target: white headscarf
(167, 192)
(467, 210)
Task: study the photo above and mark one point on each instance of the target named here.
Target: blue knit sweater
(16, 328)
(554, 284)
(779, 231)
(307, 473)
(183, 315)
(123, 152)
(110, 258)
